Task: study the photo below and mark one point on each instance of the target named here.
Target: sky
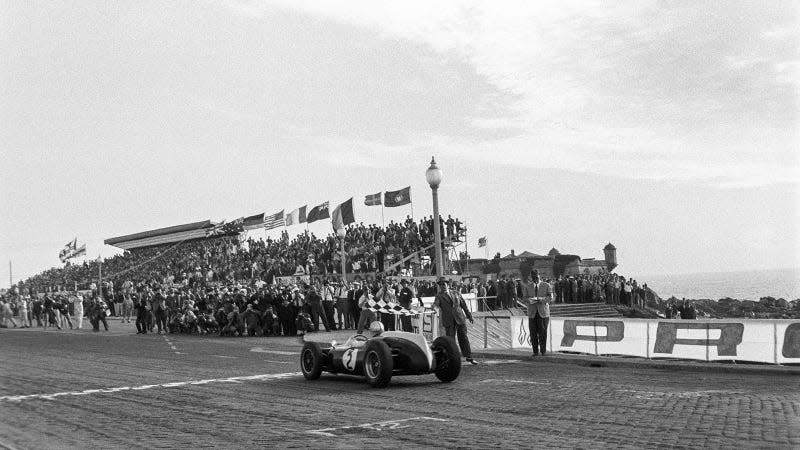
(667, 128)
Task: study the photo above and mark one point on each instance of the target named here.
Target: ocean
(747, 285)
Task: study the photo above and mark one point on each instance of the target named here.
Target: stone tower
(611, 256)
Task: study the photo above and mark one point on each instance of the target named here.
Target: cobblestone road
(79, 389)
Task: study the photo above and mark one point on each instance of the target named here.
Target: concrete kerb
(616, 361)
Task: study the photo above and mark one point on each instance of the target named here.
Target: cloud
(661, 90)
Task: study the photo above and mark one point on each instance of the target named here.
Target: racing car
(383, 355)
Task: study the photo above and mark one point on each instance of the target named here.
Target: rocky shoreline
(765, 308)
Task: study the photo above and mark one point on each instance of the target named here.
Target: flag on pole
(318, 212)
(226, 228)
(482, 242)
(253, 222)
(80, 251)
(343, 215)
(216, 229)
(373, 199)
(297, 216)
(274, 220)
(397, 198)
(68, 249)
(71, 250)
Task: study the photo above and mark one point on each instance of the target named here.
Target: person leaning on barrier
(453, 315)
(538, 295)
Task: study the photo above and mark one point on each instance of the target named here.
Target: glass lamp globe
(433, 175)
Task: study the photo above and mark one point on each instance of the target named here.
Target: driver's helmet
(376, 327)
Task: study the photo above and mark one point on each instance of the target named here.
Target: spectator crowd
(230, 286)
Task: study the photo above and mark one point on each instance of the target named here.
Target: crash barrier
(773, 341)
(762, 341)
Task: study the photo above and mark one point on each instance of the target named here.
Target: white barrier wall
(765, 341)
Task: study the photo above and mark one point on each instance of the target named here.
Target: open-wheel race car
(383, 355)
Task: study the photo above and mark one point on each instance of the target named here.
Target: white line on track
(494, 380)
(493, 362)
(262, 377)
(386, 425)
(273, 352)
(172, 346)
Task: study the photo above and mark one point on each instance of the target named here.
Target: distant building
(552, 265)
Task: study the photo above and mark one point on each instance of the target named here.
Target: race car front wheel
(448, 358)
(378, 363)
(311, 360)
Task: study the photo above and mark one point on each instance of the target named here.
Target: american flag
(373, 199)
(274, 220)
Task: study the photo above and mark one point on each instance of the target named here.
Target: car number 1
(349, 359)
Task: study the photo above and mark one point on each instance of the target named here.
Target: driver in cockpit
(359, 340)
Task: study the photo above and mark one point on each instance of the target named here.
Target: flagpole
(466, 244)
(412, 210)
(383, 223)
(99, 277)
(10, 276)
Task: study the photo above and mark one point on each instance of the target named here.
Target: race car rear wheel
(378, 363)
(311, 360)
(448, 358)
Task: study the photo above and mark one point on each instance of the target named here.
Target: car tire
(311, 360)
(378, 363)
(448, 358)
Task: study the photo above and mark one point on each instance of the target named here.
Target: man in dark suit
(538, 295)
(453, 314)
(404, 299)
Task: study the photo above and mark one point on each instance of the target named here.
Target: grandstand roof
(177, 233)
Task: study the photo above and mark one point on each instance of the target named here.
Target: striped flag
(274, 220)
(297, 216)
(343, 215)
(373, 199)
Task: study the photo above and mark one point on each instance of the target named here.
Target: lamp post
(434, 177)
(341, 233)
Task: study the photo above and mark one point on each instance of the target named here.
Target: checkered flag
(382, 306)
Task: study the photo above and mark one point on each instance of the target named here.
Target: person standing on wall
(538, 294)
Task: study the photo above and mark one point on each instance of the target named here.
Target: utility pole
(10, 276)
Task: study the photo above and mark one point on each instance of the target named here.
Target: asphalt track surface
(78, 389)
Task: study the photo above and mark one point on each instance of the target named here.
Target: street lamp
(434, 177)
(341, 232)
